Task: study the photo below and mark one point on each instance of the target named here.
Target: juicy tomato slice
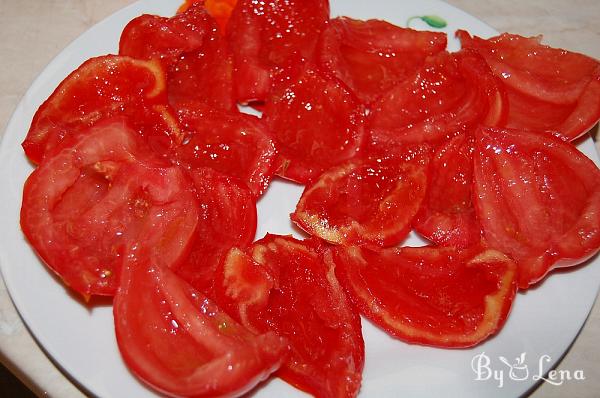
(451, 94)
(365, 201)
(265, 35)
(155, 37)
(447, 216)
(103, 87)
(234, 144)
(179, 342)
(283, 284)
(227, 219)
(82, 205)
(372, 56)
(549, 88)
(443, 297)
(220, 10)
(537, 199)
(317, 123)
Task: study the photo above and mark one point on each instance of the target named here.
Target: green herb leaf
(434, 21)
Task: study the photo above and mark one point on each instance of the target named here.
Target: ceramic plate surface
(81, 341)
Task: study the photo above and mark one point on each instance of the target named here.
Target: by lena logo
(518, 370)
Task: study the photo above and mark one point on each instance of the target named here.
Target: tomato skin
(264, 36)
(316, 122)
(450, 95)
(548, 88)
(372, 56)
(234, 144)
(366, 201)
(180, 343)
(442, 297)
(282, 284)
(537, 199)
(100, 191)
(447, 217)
(227, 218)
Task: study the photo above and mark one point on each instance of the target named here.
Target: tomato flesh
(448, 217)
(537, 199)
(372, 56)
(441, 297)
(81, 206)
(282, 284)
(365, 201)
(234, 144)
(449, 95)
(316, 123)
(227, 219)
(179, 342)
(265, 35)
(548, 88)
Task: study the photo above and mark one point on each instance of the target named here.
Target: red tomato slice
(220, 10)
(283, 285)
(451, 94)
(102, 87)
(227, 219)
(317, 123)
(365, 201)
(265, 35)
(237, 145)
(447, 216)
(549, 88)
(81, 206)
(441, 297)
(372, 56)
(179, 342)
(537, 198)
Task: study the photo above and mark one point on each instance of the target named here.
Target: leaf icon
(434, 21)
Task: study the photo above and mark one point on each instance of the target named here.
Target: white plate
(81, 341)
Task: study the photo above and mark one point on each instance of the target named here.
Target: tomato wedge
(317, 123)
(537, 198)
(82, 205)
(451, 94)
(372, 56)
(548, 88)
(441, 297)
(227, 219)
(179, 342)
(369, 201)
(282, 284)
(447, 216)
(234, 144)
(103, 87)
(265, 35)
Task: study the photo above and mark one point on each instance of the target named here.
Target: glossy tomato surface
(366, 201)
(537, 198)
(179, 342)
(282, 284)
(83, 205)
(441, 297)
(372, 56)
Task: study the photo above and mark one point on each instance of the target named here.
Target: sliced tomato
(372, 56)
(220, 10)
(103, 87)
(549, 88)
(282, 284)
(537, 198)
(82, 205)
(166, 39)
(369, 201)
(450, 95)
(234, 144)
(443, 297)
(317, 123)
(265, 35)
(447, 216)
(179, 342)
(227, 219)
